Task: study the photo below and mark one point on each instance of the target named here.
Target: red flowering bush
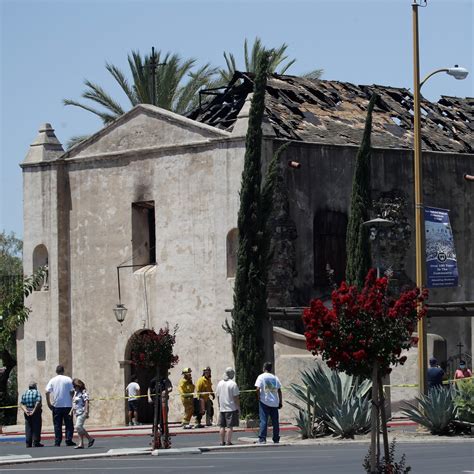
(151, 349)
(363, 327)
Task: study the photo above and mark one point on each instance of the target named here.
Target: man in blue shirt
(435, 374)
(31, 407)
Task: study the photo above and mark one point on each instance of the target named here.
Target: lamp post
(120, 311)
(458, 73)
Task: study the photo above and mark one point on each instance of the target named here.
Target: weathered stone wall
(324, 182)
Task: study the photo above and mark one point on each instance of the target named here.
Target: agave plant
(435, 411)
(350, 418)
(337, 401)
(464, 400)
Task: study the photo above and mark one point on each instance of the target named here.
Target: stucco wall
(196, 203)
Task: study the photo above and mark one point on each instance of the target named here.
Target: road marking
(154, 467)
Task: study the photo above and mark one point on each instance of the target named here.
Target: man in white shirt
(227, 394)
(133, 390)
(59, 392)
(270, 401)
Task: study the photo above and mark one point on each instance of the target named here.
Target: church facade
(148, 207)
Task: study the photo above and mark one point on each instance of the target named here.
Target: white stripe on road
(134, 468)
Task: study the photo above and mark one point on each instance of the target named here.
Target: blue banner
(441, 263)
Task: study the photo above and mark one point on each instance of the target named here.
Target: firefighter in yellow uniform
(204, 392)
(186, 390)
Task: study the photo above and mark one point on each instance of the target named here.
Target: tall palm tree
(277, 61)
(172, 92)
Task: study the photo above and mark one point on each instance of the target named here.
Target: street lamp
(120, 311)
(458, 73)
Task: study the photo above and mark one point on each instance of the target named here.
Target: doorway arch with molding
(144, 375)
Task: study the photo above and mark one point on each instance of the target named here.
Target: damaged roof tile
(334, 112)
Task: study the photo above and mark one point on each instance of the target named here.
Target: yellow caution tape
(414, 385)
(196, 394)
(188, 395)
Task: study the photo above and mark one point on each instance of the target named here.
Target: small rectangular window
(40, 350)
(143, 233)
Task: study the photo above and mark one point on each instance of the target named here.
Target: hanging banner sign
(441, 263)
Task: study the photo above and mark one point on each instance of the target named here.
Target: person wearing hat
(31, 406)
(186, 390)
(434, 374)
(228, 401)
(462, 372)
(204, 394)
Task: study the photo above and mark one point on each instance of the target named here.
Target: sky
(48, 48)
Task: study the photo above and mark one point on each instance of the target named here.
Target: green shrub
(391, 467)
(464, 400)
(332, 402)
(435, 411)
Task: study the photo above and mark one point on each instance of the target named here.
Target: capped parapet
(46, 146)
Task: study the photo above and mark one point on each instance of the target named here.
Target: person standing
(186, 390)
(462, 372)
(80, 408)
(31, 406)
(228, 401)
(270, 400)
(59, 392)
(133, 391)
(434, 374)
(204, 394)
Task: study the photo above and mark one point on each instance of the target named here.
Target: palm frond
(106, 117)
(140, 69)
(75, 140)
(316, 74)
(187, 96)
(97, 94)
(119, 76)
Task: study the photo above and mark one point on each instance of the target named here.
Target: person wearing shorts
(80, 408)
(227, 393)
(133, 391)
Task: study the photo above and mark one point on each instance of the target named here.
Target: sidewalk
(17, 433)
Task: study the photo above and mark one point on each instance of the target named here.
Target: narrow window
(232, 245)
(40, 259)
(40, 350)
(143, 233)
(329, 229)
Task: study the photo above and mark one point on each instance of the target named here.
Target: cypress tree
(357, 241)
(250, 292)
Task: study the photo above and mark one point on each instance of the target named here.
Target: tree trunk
(156, 412)
(9, 363)
(384, 423)
(374, 455)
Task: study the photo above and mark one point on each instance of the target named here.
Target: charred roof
(333, 112)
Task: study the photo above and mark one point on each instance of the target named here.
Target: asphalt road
(103, 444)
(434, 458)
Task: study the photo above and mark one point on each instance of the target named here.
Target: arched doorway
(145, 409)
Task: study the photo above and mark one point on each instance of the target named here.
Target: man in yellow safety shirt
(186, 389)
(204, 392)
